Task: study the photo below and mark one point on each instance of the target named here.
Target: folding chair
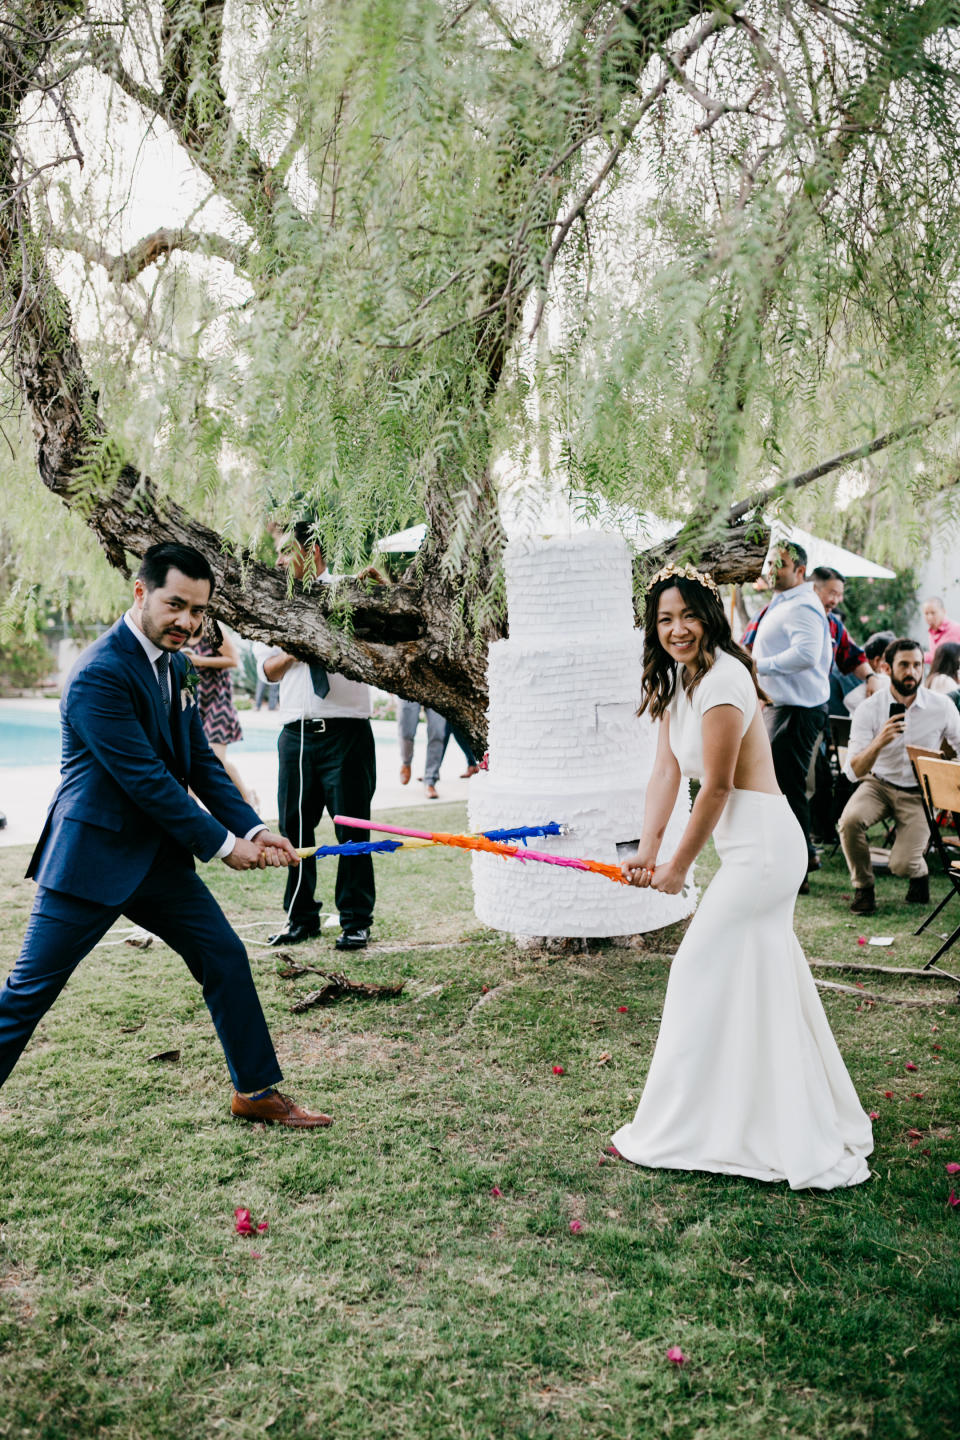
(837, 738)
(940, 790)
(939, 818)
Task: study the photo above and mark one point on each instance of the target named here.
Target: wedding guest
(408, 718)
(849, 659)
(940, 628)
(746, 1077)
(875, 648)
(270, 693)
(793, 650)
(463, 740)
(944, 676)
(218, 714)
(848, 670)
(327, 761)
(880, 731)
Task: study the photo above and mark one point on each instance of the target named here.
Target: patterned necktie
(163, 668)
(321, 685)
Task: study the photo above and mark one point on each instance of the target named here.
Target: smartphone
(897, 708)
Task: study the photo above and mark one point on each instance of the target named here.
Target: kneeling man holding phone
(881, 730)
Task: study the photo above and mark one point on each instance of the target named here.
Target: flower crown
(685, 572)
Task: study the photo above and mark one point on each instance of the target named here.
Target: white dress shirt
(858, 694)
(931, 719)
(345, 700)
(153, 653)
(793, 650)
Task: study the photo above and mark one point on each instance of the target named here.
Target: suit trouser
(407, 722)
(172, 902)
(462, 740)
(794, 731)
(871, 801)
(339, 769)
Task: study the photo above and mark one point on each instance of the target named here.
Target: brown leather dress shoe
(431, 792)
(277, 1109)
(404, 774)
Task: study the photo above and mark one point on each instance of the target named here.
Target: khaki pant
(872, 800)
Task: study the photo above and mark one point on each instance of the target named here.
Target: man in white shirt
(880, 731)
(327, 741)
(793, 651)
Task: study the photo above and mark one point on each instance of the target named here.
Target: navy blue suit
(119, 839)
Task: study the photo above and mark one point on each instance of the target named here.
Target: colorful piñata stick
(373, 847)
(480, 842)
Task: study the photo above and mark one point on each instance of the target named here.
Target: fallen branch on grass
(886, 970)
(339, 987)
(870, 995)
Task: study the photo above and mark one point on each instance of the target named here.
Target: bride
(746, 1077)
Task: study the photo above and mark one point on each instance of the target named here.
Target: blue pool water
(32, 737)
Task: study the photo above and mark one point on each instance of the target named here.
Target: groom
(121, 833)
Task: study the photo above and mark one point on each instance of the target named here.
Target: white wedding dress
(746, 1077)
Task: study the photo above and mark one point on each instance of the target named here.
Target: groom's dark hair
(171, 555)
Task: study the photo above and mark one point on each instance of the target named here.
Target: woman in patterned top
(221, 724)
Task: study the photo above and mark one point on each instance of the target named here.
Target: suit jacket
(125, 768)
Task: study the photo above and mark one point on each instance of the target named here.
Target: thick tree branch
(126, 267)
(837, 462)
(192, 102)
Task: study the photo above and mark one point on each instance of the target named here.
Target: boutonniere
(188, 690)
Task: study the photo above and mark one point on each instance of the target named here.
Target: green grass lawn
(393, 1294)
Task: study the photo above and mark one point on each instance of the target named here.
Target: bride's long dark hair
(659, 671)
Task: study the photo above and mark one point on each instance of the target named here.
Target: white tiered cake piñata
(566, 744)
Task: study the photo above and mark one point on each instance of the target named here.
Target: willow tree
(693, 256)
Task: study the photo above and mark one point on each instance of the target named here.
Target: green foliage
(752, 277)
(872, 605)
(25, 661)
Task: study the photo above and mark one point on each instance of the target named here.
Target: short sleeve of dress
(727, 683)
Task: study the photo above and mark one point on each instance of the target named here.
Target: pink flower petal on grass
(909, 1065)
(861, 939)
(953, 1168)
(242, 1218)
(953, 1200)
(874, 1114)
(612, 1150)
(623, 1009)
(576, 1226)
(496, 1192)
(264, 1225)
(676, 1356)
(558, 1069)
(888, 1094)
(255, 1255)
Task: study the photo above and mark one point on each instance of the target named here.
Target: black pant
(794, 732)
(339, 770)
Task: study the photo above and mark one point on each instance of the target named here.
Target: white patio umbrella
(650, 530)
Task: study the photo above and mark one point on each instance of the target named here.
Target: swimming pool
(32, 737)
